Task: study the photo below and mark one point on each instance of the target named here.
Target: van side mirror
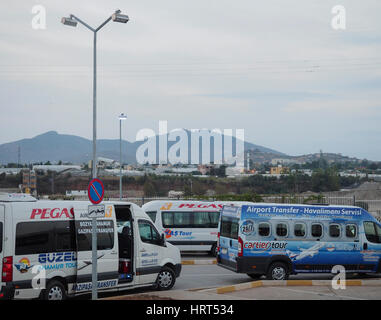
(162, 240)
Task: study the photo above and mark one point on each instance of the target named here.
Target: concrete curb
(198, 262)
(273, 283)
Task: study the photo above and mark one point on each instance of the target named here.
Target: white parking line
(320, 293)
(207, 275)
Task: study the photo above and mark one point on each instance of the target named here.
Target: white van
(189, 225)
(45, 249)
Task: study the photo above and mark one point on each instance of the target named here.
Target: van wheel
(54, 291)
(277, 271)
(166, 279)
(213, 251)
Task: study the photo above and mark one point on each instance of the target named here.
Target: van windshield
(229, 227)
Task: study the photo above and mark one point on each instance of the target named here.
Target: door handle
(365, 246)
(143, 250)
(113, 252)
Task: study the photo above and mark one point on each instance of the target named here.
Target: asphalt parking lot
(204, 280)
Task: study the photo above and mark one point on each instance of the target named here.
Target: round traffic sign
(95, 191)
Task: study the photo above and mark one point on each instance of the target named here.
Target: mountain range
(52, 146)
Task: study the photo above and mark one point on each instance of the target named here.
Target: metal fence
(372, 206)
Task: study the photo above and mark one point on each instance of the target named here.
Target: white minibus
(190, 225)
(46, 249)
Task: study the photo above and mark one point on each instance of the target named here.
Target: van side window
(176, 219)
(371, 233)
(148, 233)
(105, 234)
(152, 215)
(65, 237)
(34, 237)
(299, 230)
(334, 230)
(205, 219)
(44, 237)
(281, 230)
(316, 230)
(351, 231)
(264, 229)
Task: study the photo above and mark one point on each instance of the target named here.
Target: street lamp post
(72, 21)
(121, 117)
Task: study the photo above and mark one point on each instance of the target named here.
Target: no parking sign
(95, 191)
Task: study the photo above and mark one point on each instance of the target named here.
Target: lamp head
(69, 22)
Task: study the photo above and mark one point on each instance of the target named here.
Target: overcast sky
(274, 68)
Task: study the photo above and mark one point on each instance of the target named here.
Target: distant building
(205, 168)
(234, 171)
(77, 193)
(55, 168)
(10, 171)
(175, 194)
(279, 170)
(105, 162)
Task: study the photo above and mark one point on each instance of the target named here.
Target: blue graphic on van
(247, 227)
(307, 238)
(58, 260)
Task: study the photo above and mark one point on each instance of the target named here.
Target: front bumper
(178, 269)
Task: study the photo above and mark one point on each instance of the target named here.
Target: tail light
(240, 247)
(7, 272)
(124, 266)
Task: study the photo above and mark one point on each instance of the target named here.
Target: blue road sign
(95, 191)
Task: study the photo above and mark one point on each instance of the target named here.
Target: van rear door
(228, 252)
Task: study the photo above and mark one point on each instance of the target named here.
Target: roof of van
(268, 210)
(191, 204)
(16, 197)
(301, 205)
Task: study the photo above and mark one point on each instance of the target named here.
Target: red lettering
(64, 211)
(35, 212)
(44, 214)
(55, 215)
(188, 205)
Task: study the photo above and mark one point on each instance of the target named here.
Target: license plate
(224, 251)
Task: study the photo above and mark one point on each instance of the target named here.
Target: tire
(254, 276)
(213, 251)
(278, 271)
(165, 279)
(55, 290)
